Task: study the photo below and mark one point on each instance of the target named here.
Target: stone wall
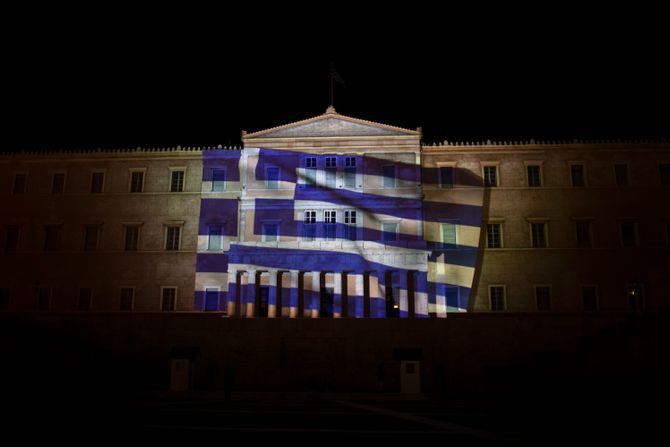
(466, 353)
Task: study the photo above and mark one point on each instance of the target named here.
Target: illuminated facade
(327, 217)
(338, 217)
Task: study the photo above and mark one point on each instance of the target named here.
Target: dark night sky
(124, 84)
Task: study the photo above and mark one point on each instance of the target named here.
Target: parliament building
(338, 217)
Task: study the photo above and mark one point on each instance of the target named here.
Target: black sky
(126, 84)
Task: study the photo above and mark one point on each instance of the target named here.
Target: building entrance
(262, 302)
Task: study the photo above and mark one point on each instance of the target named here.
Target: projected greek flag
(290, 233)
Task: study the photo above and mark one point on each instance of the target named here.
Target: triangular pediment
(331, 124)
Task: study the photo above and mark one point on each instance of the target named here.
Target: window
(577, 174)
(494, 235)
(309, 225)
(543, 298)
(446, 177)
(331, 171)
(91, 237)
(169, 299)
(538, 237)
(330, 224)
(172, 238)
(19, 184)
(272, 177)
(4, 298)
(350, 225)
(58, 183)
(628, 234)
(349, 172)
(491, 176)
(132, 237)
(590, 298)
(310, 170)
(664, 169)
(51, 233)
(497, 297)
(136, 181)
(12, 237)
(449, 233)
(177, 180)
(583, 232)
(215, 237)
(44, 299)
(270, 232)
(85, 299)
(218, 180)
(97, 182)
(621, 174)
(126, 298)
(389, 176)
(534, 175)
(389, 231)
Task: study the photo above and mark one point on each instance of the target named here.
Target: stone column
(303, 284)
(281, 296)
(285, 284)
(347, 291)
(360, 295)
(421, 294)
(244, 292)
(251, 293)
(381, 293)
(338, 305)
(402, 295)
(272, 296)
(411, 301)
(315, 296)
(232, 293)
(373, 294)
(440, 302)
(369, 306)
(293, 297)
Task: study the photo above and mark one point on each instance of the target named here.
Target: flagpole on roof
(332, 69)
(334, 76)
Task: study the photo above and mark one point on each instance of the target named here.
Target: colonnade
(325, 294)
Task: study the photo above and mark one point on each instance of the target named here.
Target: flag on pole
(335, 76)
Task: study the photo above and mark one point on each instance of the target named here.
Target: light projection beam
(254, 222)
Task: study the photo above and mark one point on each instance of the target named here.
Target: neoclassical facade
(337, 217)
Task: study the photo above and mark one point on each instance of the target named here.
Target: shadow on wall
(66, 356)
